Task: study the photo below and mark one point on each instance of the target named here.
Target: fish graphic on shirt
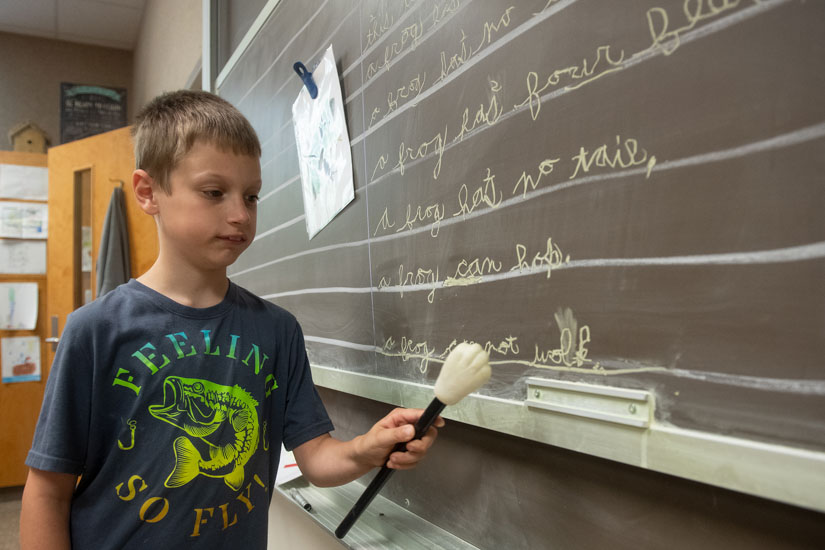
(223, 417)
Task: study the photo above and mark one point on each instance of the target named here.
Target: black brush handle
(424, 422)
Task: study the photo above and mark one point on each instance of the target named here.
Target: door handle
(55, 337)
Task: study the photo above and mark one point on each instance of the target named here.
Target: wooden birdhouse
(29, 137)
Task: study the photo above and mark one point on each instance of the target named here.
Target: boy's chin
(223, 261)
(236, 256)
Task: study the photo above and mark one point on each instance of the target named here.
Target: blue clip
(306, 76)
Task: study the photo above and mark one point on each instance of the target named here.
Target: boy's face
(209, 217)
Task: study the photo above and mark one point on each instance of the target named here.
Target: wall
(168, 48)
(32, 70)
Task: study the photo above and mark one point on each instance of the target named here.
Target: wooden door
(82, 175)
(20, 402)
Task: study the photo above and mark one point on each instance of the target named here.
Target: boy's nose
(239, 211)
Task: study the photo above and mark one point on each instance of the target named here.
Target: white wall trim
(209, 46)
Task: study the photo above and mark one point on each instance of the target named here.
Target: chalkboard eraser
(603, 403)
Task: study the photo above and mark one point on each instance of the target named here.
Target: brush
(466, 369)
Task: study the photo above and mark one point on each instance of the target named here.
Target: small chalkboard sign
(89, 110)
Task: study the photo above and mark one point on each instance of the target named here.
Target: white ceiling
(112, 23)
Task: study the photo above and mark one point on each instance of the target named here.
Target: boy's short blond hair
(169, 125)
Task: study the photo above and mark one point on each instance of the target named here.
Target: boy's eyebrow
(209, 174)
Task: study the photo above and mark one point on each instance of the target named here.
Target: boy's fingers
(390, 437)
(400, 417)
(408, 459)
(399, 428)
(416, 450)
(421, 445)
(403, 461)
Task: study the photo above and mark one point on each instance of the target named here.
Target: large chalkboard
(627, 195)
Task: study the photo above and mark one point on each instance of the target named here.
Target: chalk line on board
(691, 36)
(806, 252)
(788, 139)
(788, 385)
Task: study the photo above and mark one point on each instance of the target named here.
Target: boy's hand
(397, 427)
(326, 462)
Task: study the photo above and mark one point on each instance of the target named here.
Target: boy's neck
(193, 289)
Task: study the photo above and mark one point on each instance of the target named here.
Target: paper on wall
(18, 306)
(24, 182)
(22, 257)
(323, 147)
(21, 359)
(24, 220)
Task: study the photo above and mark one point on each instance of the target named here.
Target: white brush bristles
(466, 369)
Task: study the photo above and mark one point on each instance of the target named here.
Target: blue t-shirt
(174, 417)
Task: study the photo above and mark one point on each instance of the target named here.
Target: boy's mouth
(233, 238)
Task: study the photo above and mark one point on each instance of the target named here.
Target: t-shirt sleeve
(305, 415)
(62, 432)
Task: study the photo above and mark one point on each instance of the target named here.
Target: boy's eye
(213, 194)
(252, 198)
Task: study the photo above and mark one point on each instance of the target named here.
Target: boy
(171, 395)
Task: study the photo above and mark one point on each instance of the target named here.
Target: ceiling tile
(113, 23)
(134, 4)
(104, 23)
(35, 16)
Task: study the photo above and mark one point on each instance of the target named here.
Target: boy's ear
(142, 185)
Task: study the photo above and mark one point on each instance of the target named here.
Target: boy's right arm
(44, 517)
